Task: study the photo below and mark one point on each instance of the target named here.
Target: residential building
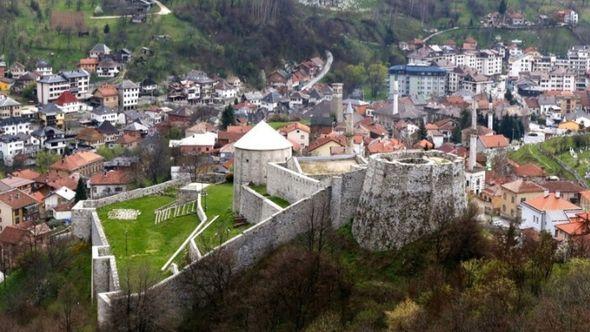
(544, 212)
(99, 50)
(108, 68)
(102, 113)
(88, 64)
(17, 207)
(43, 68)
(14, 126)
(79, 82)
(9, 107)
(108, 183)
(421, 82)
(51, 115)
(515, 192)
(50, 87)
(69, 103)
(297, 133)
(128, 95)
(107, 95)
(11, 146)
(86, 163)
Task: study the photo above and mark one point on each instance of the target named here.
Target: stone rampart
(289, 185)
(407, 195)
(346, 191)
(243, 251)
(255, 207)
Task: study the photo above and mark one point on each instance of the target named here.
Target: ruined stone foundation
(406, 195)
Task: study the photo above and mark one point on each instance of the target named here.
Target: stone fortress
(405, 195)
(391, 199)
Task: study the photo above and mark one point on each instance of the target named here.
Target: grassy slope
(219, 203)
(148, 243)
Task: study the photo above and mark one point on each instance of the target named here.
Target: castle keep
(406, 195)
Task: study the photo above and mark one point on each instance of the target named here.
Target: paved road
(323, 72)
(163, 11)
(439, 32)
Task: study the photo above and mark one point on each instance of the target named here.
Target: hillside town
(88, 154)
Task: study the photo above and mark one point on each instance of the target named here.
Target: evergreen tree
(106, 29)
(422, 133)
(502, 7)
(227, 117)
(80, 191)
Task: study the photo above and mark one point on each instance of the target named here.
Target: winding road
(163, 11)
(323, 72)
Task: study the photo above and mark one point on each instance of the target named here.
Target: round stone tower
(261, 145)
(407, 194)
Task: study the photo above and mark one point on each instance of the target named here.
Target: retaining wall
(255, 207)
(289, 185)
(244, 251)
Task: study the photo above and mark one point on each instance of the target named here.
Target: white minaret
(490, 114)
(473, 138)
(349, 133)
(395, 97)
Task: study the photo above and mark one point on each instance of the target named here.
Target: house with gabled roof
(515, 192)
(545, 212)
(17, 207)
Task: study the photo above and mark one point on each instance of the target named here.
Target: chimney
(472, 151)
(395, 97)
(557, 194)
(545, 193)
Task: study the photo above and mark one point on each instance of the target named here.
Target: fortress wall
(404, 198)
(346, 191)
(242, 252)
(289, 185)
(255, 207)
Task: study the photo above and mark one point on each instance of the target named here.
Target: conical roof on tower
(263, 138)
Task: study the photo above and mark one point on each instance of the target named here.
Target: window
(512, 199)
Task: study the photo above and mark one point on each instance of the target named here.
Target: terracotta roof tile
(521, 186)
(76, 161)
(494, 141)
(110, 178)
(16, 199)
(293, 126)
(551, 203)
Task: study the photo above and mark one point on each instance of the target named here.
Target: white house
(108, 68)
(14, 126)
(296, 133)
(63, 195)
(10, 146)
(103, 113)
(128, 95)
(43, 68)
(50, 87)
(544, 212)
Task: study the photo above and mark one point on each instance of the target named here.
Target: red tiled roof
(66, 98)
(562, 186)
(340, 140)
(521, 186)
(110, 178)
(494, 141)
(16, 199)
(107, 90)
(13, 235)
(384, 145)
(551, 203)
(26, 173)
(424, 144)
(127, 138)
(76, 161)
(528, 170)
(89, 61)
(293, 126)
